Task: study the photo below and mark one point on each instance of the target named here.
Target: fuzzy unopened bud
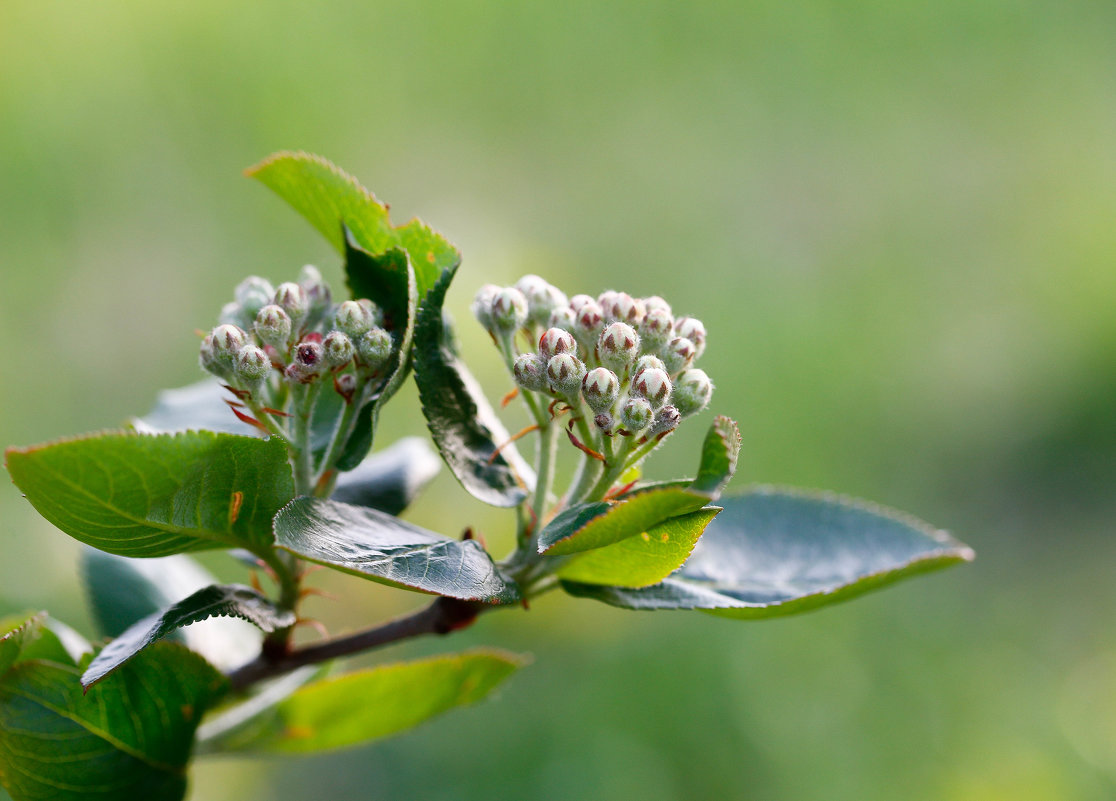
(646, 362)
(678, 354)
(298, 373)
(653, 385)
(530, 372)
(636, 415)
(482, 305)
(253, 293)
(605, 422)
(292, 299)
(618, 347)
(337, 348)
(509, 310)
(665, 421)
(273, 326)
(624, 308)
(232, 313)
(345, 384)
(317, 290)
(605, 301)
(252, 365)
(542, 298)
(600, 388)
(577, 301)
(564, 373)
(656, 329)
(692, 329)
(227, 342)
(589, 324)
(554, 341)
(310, 355)
(692, 392)
(207, 355)
(655, 303)
(353, 319)
(375, 348)
(563, 317)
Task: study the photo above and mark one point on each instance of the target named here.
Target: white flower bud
(600, 388)
(253, 293)
(653, 385)
(577, 301)
(554, 341)
(678, 354)
(482, 305)
(530, 372)
(509, 309)
(645, 362)
(656, 329)
(375, 348)
(665, 421)
(625, 308)
(273, 326)
(353, 319)
(337, 348)
(563, 317)
(605, 300)
(292, 299)
(589, 324)
(692, 329)
(618, 347)
(564, 373)
(252, 365)
(692, 392)
(227, 342)
(636, 415)
(655, 303)
(542, 298)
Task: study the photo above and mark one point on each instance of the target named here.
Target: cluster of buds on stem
(629, 360)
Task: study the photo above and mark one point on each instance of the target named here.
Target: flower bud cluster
(630, 360)
(294, 333)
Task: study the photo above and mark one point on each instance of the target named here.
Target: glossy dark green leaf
(390, 479)
(385, 700)
(329, 199)
(156, 495)
(129, 738)
(378, 546)
(218, 600)
(196, 407)
(595, 525)
(644, 559)
(461, 422)
(780, 551)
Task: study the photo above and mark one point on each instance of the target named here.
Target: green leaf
(28, 637)
(219, 600)
(644, 559)
(781, 551)
(198, 406)
(385, 700)
(390, 479)
(156, 495)
(594, 525)
(130, 737)
(329, 198)
(461, 422)
(378, 546)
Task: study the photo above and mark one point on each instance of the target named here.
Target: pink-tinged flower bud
(509, 310)
(482, 305)
(375, 348)
(589, 324)
(252, 365)
(618, 347)
(253, 293)
(656, 329)
(605, 301)
(298, 373)
(636, 415)
(678, 354)
(564, 373)
(692, 329)
(600, 388)
(530, 372)
(646, 362)
(653, 385)
(345, 384)
(577, 301)
(605, 422)
(227, 342)
(207, 356)
(665, 421)
(317, 290)
(353, 319)
(555, 341)
(655, 303)
(273, 326)
(626, 309)
(542, 298)
(310, 355)
(692, 392)
(338, 349)
(563, 317)
(292, 299)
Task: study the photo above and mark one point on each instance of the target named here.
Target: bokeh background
(897, 220)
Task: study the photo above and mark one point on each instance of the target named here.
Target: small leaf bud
(656, 329)
(692, 392)
(625, 308)
(542, 298)
(577, 301)
(678, 354)
(589, 324)
(309, 355)
(564, 373)
(605, 422)
(273, 326)
(375, 348)
(563, 317)
(253, 293)
(618, 347)
(530, 372)
(509, 309)
(692, 329)
(645, 362)
(653, 385)
(252, 365)
(292, 299)
(665, 421)
(636, 415)
(600, 388)
(227, 342)
(555, 341)
(482, 305)
(338, 348)
(655, 303)
(353, 319)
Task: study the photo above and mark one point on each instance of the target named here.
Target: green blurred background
(896, 219)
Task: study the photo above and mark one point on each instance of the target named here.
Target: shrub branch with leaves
(269, 461)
